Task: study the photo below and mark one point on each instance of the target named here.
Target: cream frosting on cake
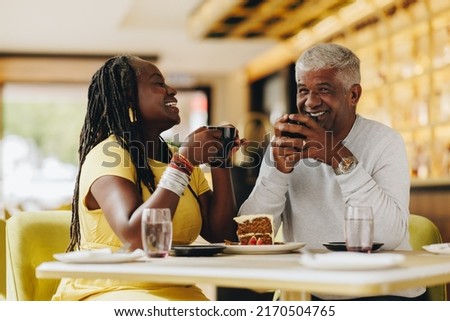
(255, 229)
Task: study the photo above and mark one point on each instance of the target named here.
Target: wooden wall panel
(434, 204)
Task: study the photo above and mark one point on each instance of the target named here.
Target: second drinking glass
(156, 232)
(358, 229)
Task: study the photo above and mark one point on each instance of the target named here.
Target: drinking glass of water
(156, 232)
(359, 229)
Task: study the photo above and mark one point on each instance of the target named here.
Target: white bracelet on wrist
(174, 180)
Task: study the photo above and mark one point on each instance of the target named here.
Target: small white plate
(351, 260)
(263, 249)
(98, 256)
(438, 248)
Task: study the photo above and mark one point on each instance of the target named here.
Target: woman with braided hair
(126, 166)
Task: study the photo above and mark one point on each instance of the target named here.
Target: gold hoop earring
(132, 115)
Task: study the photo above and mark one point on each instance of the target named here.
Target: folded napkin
(438, 248)
(104, 255)
(351, 260)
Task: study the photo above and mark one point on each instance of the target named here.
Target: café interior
(232, 61)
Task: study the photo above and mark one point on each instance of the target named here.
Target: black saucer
(340, 246)
(197, 250)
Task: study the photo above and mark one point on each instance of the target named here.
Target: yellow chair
(32, 238)
(423, 231)
(2, 259)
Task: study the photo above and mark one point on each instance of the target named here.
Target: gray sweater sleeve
(269, 194)
(386, 189)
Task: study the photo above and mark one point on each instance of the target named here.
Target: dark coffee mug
(227, 137)
(294, 135)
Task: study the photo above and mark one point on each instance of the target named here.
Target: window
(41, 128)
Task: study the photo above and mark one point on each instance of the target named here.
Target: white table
(282, 271)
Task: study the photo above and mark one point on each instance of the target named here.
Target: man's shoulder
(367, 124)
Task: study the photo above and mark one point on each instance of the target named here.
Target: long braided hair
(113, 109)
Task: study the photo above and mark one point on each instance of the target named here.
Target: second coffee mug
(227, 137)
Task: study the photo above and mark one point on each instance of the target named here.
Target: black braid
(112, 93)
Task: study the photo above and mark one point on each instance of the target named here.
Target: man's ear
(355, 94)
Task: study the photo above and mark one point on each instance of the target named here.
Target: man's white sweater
(311, 200)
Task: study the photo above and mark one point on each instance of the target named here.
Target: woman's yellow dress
(108, 158)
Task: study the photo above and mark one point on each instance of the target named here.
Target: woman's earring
(132, 115)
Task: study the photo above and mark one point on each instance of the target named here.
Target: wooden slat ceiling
(279, 19)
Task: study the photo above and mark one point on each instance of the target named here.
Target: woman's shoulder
(108, 142)
(108, 158)
(108, 150)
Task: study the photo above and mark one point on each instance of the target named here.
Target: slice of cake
(255, 229)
